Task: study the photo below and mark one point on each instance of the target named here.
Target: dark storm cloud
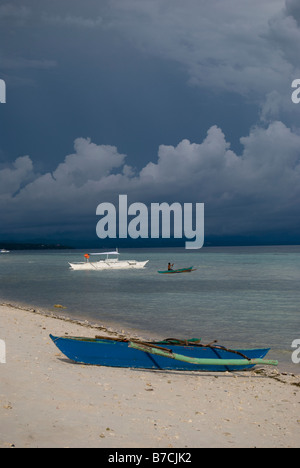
(257, 191)
(130, 73)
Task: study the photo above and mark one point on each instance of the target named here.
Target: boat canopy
(106, 253)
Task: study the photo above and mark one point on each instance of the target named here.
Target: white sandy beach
(48, 401)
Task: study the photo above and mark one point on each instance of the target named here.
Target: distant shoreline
(29, 246)
(207, 246)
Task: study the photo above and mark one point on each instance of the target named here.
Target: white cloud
(13, 178)
(71, 20)
(14, 12)
(292, 8)
(22, 63)
(256, 191)
(89, 162)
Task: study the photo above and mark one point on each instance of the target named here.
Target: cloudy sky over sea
(162, 100)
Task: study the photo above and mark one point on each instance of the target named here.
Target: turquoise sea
(240, 296)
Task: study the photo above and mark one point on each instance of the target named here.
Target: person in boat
(170, 266)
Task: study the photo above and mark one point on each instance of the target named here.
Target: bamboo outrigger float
(202, 362)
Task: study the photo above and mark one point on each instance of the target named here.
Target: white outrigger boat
(108, 263)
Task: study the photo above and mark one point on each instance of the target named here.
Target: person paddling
(170, 266)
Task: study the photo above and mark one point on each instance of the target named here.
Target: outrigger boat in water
(180, 270)
(108, 263)
(187, 355)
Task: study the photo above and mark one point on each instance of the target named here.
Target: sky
(183, 101)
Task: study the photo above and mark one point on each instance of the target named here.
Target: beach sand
(48, 401)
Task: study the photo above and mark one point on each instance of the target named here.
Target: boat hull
(112, 353)
(109, 265)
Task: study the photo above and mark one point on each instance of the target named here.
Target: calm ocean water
(241, 296)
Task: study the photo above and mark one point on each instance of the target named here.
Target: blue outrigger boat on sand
(169, 354)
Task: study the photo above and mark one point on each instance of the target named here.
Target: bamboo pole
(200, 361)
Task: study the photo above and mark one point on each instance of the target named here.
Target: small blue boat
(179, 270)
(167, 354)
